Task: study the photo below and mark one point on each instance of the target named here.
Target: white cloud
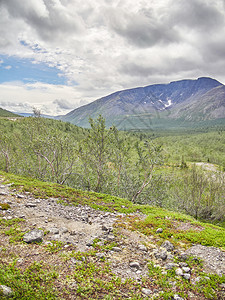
(102, 45)
(40, 95)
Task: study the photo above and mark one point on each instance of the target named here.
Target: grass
(35, 282)
(91, 276)
(207, 285)
(4, 206)
(206, 234)
(54, 246)
(179, 228)
(12, 229)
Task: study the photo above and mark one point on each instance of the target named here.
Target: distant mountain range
(183, 103)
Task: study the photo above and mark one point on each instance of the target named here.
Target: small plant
(4, 206)
(54, 247)
(10, 228)
(35, 282)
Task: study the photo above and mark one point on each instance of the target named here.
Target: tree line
(108, 161)
(96, 159)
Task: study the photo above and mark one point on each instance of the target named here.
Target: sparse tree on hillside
(95, 153)
(149, 156)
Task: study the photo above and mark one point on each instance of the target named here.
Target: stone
(177, 297)
(168, 246)
(183, 264)
(64, 230)
(116, 249)
(187, 276)
(73, 261)
(29, 204)
(90, 243)
(73, 233)
(3, 193)
(105, 228)
(54, 230)
(20, 196)
(142, 247)
(213, 258)
(55, 237)
(48, 243)
(162, 255)
(197, 279)
(186, 269)
(33, 236)
(146, 292)
(183, 257)
(6, 291)
(22, 216)
(179, 272)
(85, 219)
(170, 256)
(134, 265)
(110, 237)
(170, 266)
(100, 255)
(159, 230)
(100, 243)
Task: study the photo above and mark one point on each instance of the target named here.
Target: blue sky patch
(13, 68)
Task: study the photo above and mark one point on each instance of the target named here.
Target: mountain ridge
(154, 100)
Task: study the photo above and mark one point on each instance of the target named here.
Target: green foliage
(35, 282)
(11, 228)
(91, 277)
(54, 246)
(204, 147)
(178, 228)
(126, 165)
(97, 159)
(191, 230)
(198, 193)
(7, 114)
(4, 206)
(94, 279)
(95, 153)
(208, 285)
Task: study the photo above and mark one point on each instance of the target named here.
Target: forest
(160, 170)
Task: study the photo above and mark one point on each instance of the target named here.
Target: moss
(4, 206)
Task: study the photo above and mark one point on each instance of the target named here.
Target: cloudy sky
(57, 55)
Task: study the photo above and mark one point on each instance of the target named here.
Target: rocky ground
(78, 227)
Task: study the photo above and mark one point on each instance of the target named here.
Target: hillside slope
(155, 105)
(7, 114)
(60, 243)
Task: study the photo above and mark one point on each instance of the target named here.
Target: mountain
(179, 103)
(7, 114)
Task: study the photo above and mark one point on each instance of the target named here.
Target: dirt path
(77, 227)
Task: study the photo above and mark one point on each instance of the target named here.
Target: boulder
(5, 291)
(168, 246)
(33, 236)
